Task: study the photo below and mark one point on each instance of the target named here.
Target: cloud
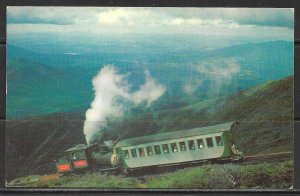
(225, 69)
(275, 17)
(152, 16)
(112, 17)
(201, 22)
(266, 17)
(263, 23)
(190, 87)
(120, 16)
(50, 15)
(219, 72)
(30, 15)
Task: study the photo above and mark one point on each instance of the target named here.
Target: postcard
(150, 98)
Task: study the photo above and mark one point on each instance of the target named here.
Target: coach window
(182, 146)
(191, 144)
(209, 142)
(174, 147)
(141, 152)
(149, 151)
(219, 141)
(157, 149)
(126, 154)
(165, 148)
(200, 143)
(133, 153)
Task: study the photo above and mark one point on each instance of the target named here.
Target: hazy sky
(273, 22)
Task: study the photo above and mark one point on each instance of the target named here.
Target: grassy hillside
(265, 112)
(277, 175)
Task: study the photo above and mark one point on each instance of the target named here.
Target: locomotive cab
(63, 165)
(83, 157)
(74, 159)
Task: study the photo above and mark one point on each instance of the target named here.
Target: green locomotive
(214, 142)
(82, 157)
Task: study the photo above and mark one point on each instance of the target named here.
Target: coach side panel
(195, 148)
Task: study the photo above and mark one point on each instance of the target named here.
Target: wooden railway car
(197, 144)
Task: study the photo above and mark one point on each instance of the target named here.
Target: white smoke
(150, 91)
(111, 90)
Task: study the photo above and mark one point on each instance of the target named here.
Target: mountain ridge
(52, 78)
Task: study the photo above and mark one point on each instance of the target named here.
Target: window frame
(167, 147)
(212, 142)
(193, 141)
(182, 142)
(159, 149)
(131, 150)
(141, 149)
(174, 144)
(198, 142)
(219, 136)
(124, 152)
(152, 152)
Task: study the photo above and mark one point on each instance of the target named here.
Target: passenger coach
(197, 144)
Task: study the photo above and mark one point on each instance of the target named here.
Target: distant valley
(45, 83)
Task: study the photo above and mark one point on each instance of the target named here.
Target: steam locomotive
(179, 147)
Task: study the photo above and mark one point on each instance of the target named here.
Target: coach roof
(176, 134)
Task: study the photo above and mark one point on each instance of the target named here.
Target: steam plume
(112, 91)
